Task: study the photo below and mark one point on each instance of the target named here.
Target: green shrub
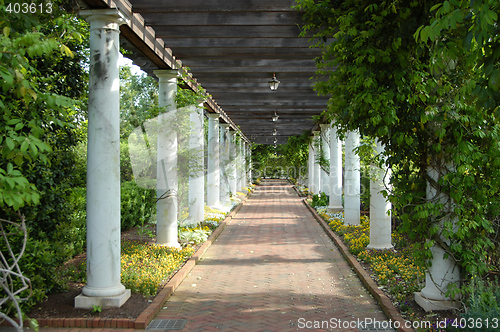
(483, 307)
(137, 205)
(322, 200)
(40, 263)
(71, 236)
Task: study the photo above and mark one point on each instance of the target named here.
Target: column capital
(224, 125)
(324, 126)
(110, 18)
(214, 116)
(165, 75)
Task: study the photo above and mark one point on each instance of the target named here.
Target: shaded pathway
(272, 269)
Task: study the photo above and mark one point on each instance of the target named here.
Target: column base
(430, 305)
(380, 247)
(171, 245)
(88, 302)
(334, 209)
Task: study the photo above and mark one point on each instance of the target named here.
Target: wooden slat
(233, 31)
(222, 18)
(147, 6)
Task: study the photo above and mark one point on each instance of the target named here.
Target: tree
(43, 84)
(411, 96)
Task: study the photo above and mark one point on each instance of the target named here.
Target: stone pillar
(443, 271)
(213, 173)
(352, 190)
(224, 159)
(316, 187)
(249, 153)
(244, 162)
(335, 202)
(196, 174)
(310, 167)
(232, 173)
(380, 218)
(103, 286)
(239, 163)
(167, 182)
(325, 177)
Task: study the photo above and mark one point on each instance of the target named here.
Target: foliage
(138, 205)
(396, 270)
(432, 104)
(320, 200)
(483, 305)
(288, 160)
(146, 267)
(39, 264)
(42, 93)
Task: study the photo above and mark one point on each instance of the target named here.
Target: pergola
(232, 49)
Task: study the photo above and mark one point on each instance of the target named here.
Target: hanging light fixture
(275, 140)
(275, 117)
(275, 132)
(274, 83)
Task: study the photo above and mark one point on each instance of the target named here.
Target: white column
(443, 272)
(239, 163)
(224, 159)
(249, 154)
(213, 173)
(244, 183)
(380, 218)
(310, 167)
(325, 178)
(232, 174)
(335, 202)
(196, 173)
(167, 182)
(316, 187)
(103, 165)
(352, 190)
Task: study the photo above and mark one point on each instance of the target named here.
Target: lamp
(275, 117)
(274, 83)
(275, 140)
(275, 132)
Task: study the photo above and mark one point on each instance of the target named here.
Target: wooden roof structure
(232, 49)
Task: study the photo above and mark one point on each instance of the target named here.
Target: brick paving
(272, 269)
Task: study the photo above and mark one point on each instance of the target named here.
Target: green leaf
(10, 143)
(494, 81)
(6, 75)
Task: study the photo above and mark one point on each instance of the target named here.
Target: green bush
(320, 200)
(483, 308)
(72, 234)
(137, 205)
(40, 263)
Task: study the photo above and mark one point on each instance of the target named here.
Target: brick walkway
(272, 269)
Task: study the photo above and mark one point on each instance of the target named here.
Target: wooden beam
(233, 31)
(147, 6)
(222, 18)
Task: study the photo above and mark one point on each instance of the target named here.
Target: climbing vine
(422, 77)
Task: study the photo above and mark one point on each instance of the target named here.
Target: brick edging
(142, 321)
(382, 299)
